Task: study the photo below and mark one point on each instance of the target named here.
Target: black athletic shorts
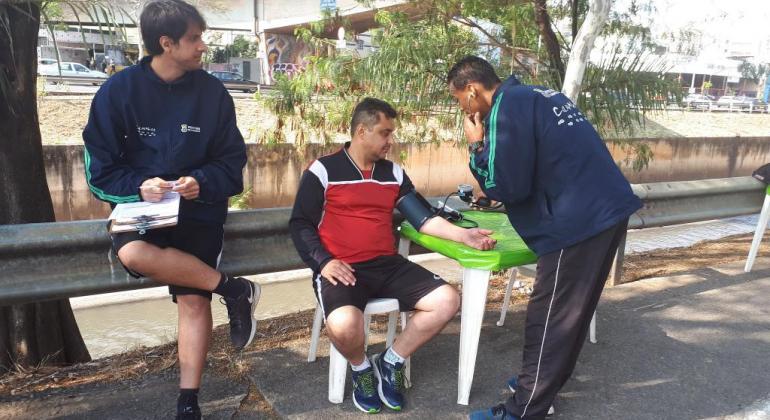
(387, 276)
(201, 240)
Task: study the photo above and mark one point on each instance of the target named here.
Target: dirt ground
(62, 121)
(284, 330)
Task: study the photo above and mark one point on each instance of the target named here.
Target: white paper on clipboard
(144, 215)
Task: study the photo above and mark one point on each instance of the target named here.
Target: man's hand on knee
(339, 271)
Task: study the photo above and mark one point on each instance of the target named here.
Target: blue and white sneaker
(514, 382)
(365, 396)
(497, 412)
(391, 382)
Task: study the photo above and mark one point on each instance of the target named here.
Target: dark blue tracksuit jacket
(141, 127)
(548, 165)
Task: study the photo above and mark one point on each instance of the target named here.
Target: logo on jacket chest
(146, 131)
(186, 128)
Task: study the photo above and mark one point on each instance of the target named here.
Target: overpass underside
(361, 19)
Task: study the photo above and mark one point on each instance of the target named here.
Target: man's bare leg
(345, 328)
(178, 268)
(431, 314)
(194, 336)
(168, 265)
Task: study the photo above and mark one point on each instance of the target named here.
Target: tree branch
(549, 37)
(495, 42)
(467, 22)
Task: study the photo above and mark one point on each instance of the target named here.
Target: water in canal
(116, 328)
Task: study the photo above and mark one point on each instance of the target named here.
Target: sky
(740, 20)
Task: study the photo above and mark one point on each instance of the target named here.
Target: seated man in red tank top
(342, 228)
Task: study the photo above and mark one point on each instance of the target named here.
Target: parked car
(699, 101)
(739, 102)
(234, 80)
(757, 103)
(69, 69)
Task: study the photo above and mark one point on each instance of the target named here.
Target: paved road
(692, 346)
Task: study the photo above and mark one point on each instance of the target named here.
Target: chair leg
(316, 333)
(592, 329)
(337, 373)
(758, 233)
(507, 299)
(403, 247)
(408, 363)
(367, 322)
(392, 320)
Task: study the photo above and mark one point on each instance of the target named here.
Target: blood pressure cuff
(415, 208)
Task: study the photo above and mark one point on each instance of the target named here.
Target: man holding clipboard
(162, 126)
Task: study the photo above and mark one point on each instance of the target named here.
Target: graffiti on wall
(285, 54)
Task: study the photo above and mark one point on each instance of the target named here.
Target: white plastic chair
(759, 232)
(337, 362)
(512, 282)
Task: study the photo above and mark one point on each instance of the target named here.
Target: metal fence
(65, 259)
(87, 81)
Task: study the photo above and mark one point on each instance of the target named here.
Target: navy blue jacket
(551, 169)
(141, 127)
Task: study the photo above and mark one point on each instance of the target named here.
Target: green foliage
(242, 47)
(408, 69)
(752, 71)
(624, 87)
(402, 157)
(412, 58)
(241, 201)
(218, 55)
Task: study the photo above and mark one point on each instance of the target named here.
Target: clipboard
(142, 216)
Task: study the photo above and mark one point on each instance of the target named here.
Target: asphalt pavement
(691, 346)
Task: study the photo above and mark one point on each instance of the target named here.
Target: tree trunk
(543, 21)
(598, 11)
(43, 332)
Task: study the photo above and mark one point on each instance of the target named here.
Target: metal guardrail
(670, 203)
(74, 80)
(83, 80)
(55, 260)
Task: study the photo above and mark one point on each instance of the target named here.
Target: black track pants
(567, 288)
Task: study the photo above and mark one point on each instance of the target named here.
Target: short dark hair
(368, 111)
(472, 69)
(167, 18)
